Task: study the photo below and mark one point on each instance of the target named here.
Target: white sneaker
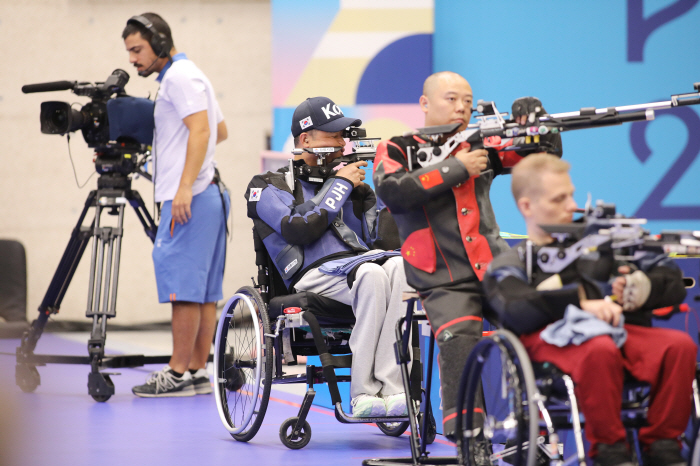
(368, 406)
(396, 405)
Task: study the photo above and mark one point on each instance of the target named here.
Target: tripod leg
(149, 225)
(100, 386)
(96, 266)
(60, 281)
(117, 241)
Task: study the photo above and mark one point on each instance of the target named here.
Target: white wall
(80, 40)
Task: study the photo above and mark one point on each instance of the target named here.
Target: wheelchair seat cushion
(326, 310)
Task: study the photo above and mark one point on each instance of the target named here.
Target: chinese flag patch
(431, 179)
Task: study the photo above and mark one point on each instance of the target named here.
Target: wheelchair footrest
(341, 416)
(423, 461)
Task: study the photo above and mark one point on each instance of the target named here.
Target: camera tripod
(113, 193)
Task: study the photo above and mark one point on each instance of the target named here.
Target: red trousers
(661, 357)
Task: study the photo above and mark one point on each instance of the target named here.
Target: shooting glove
(532, 107)
(636, 292)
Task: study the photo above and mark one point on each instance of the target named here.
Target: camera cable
(75, 174)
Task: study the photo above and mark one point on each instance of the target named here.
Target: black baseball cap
(320, 113)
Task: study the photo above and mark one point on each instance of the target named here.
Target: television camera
(117, 126)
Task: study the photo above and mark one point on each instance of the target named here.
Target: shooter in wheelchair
(314, 224)
(583, 309)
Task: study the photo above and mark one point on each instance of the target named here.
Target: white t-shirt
(184, 90)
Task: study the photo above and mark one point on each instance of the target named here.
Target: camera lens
(59, 119)
(55, 117)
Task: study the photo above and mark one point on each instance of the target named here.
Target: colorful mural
(360, 53)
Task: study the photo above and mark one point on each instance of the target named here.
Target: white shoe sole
(203, 389)
(182, 393)
(397, 411)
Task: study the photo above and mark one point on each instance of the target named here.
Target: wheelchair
(537, 401)
(263, 325)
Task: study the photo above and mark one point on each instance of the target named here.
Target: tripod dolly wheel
(27, 377)
(292, 439)
(107, 394)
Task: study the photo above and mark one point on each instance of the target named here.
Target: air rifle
(601, 230)
(492, 127)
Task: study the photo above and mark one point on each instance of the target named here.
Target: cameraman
(663, 358)
(189, 252)
(335, 220)
(447, 225)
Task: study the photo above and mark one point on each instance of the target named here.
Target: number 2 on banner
(652, 207)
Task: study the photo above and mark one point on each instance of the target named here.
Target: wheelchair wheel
(514, 417)
(295, 440)
(393, 429)
(243, 364)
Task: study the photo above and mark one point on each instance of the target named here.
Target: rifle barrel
(678, 100)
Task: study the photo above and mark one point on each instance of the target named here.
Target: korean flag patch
(306, 122)
(255, 194)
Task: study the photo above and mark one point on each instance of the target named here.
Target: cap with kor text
(320, 113)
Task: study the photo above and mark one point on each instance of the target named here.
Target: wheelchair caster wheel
(393, 429)
(295, 440)
(27, 377)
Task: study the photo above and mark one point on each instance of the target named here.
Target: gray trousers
(376, 300)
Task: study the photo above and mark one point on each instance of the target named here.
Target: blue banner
(596, 53)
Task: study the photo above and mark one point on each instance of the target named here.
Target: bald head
(447, 98)
(441, 78)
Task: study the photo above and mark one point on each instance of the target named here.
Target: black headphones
(160, 43)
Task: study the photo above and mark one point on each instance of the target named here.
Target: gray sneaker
(201, 382)
(164, 383)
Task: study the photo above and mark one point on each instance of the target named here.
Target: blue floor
(60, 424)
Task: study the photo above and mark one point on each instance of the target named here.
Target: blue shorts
(189, 259)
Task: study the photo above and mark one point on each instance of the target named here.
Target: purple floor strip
(60, 424)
